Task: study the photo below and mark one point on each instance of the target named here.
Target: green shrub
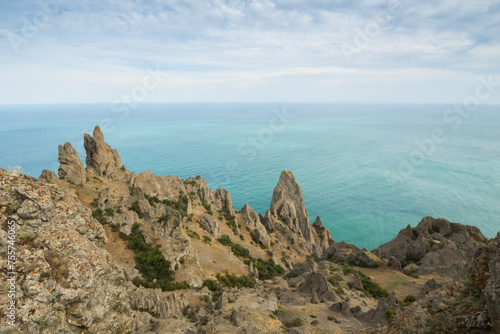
(180, 205)
(232, 281)
(135, 227)
(109, 212)
(410, 299)
(212, 285)
(296, 322)
(390, 314)
(268, 269)
(372, 288)
(135, 207)
(152, 265)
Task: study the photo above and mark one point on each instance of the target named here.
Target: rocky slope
(103, 250)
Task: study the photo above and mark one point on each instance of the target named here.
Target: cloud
(230, 44)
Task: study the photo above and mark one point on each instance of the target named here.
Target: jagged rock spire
(101, 158)
(287, 205)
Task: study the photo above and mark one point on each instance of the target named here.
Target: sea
(368, 170)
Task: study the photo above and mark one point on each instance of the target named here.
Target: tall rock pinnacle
(101, 158)
(287, 205)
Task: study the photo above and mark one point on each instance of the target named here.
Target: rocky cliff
(103, 250)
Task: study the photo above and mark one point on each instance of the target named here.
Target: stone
(71, 168)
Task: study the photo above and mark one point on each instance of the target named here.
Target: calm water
(360, 166)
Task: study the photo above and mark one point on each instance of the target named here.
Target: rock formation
(67, 281)
(435, 245)
(102, 160)
(223, 201)
(253, 222)
(287, 205)
(71, 168)
(48, 176)
(210, 225)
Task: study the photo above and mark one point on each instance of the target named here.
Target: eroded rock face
(316, 283)
(170, 228)
(287, 205)
(157, 303)
(67, 281)
(164, 187)
(209, 224)
(438, 245)
(485, 274)
(223, 201)
(71, 168)
(101, 158)
(252, 220)
(48, 176)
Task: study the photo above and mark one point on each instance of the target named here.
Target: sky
(364, 51)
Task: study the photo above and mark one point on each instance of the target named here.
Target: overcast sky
(247, 51)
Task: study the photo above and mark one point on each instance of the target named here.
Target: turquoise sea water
(367, 170)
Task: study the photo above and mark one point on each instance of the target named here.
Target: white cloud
(222, 45)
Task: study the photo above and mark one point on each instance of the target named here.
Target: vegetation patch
(233, 281)
(230, 220)
(152, 265)
(204, 203)
(371, 288)
(267, 268)
(181, 205)
(135, 207)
